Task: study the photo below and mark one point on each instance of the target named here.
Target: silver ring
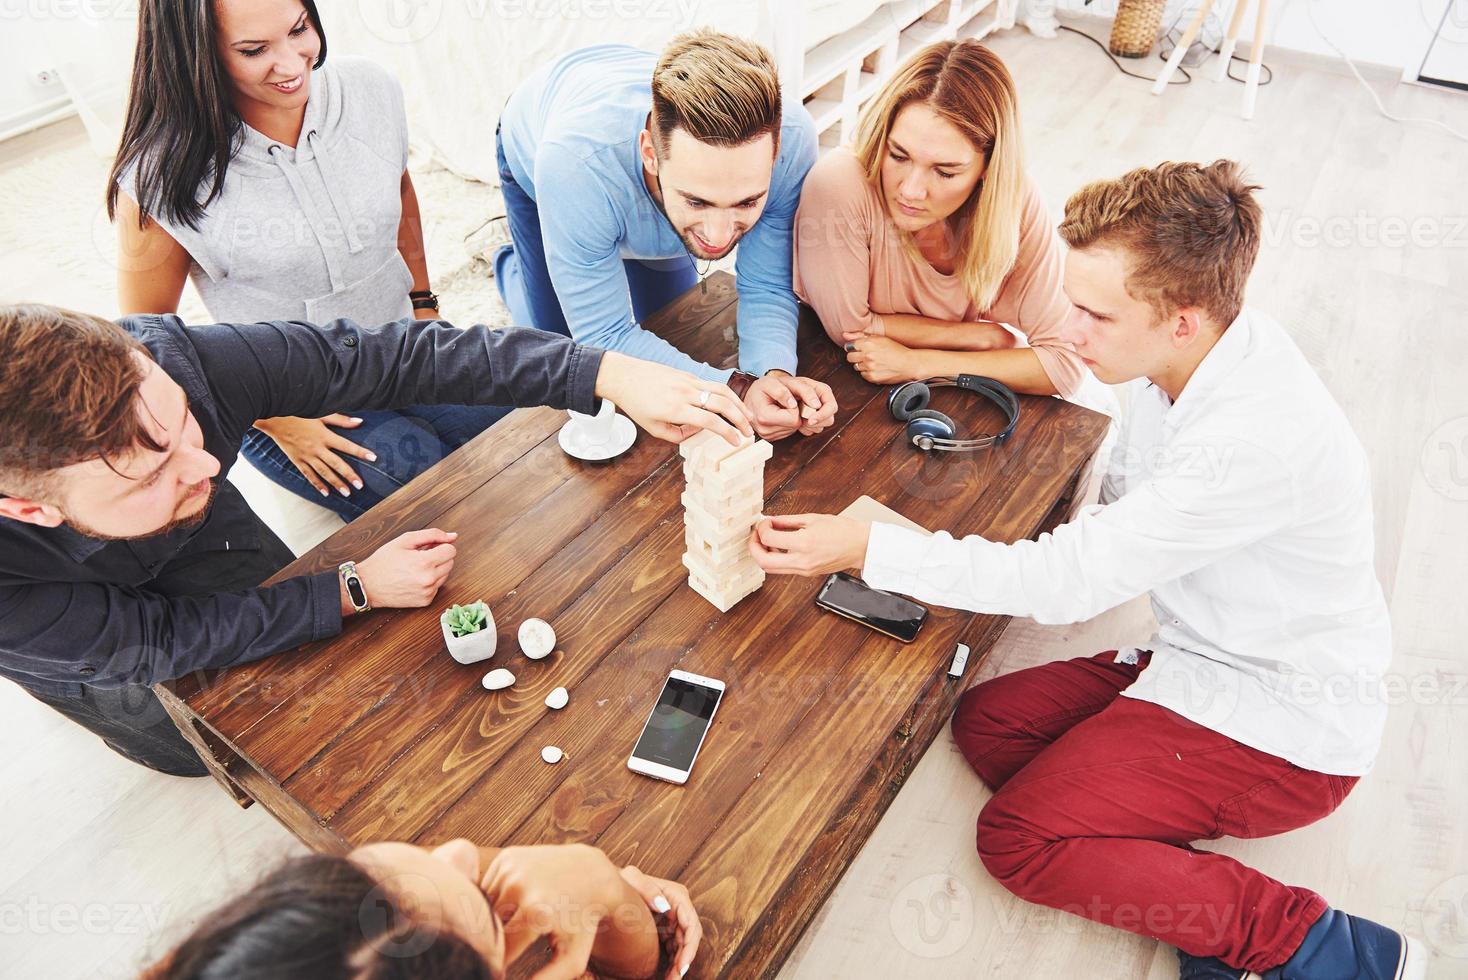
(703, 398)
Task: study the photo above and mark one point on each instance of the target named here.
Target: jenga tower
(725, 494)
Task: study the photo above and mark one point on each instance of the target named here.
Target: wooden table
(377, 734)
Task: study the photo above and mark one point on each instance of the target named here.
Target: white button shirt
(1245, 510)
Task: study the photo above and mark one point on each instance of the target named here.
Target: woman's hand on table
(882, 360)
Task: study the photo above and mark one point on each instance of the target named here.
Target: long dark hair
(318, 917)
(182, 127)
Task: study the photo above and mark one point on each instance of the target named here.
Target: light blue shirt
(570, 136)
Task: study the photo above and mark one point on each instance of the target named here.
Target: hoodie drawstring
(313, 216)
(329, 178)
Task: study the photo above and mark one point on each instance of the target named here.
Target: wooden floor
(96, 854)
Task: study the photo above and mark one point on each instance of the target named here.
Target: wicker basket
(1136, 27)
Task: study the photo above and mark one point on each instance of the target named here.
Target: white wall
(1381, 32)
(20, 59)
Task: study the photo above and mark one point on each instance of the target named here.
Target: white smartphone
(674, 732)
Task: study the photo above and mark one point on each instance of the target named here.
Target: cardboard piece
(866, 508)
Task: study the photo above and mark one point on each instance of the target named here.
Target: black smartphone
(846, 595)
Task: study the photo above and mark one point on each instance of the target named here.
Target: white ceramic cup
(596, 430)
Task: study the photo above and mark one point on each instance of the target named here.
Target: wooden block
(739, 570)
(721, 552)
(722, 601)
(714, 494)
(721, 544)
(723, 513)
(735, 572)
(718, 525)
(745, 457)
(721, 518)
(747, 577)
(751, 479)
(692, 447)
(705, 449)
(723, 562)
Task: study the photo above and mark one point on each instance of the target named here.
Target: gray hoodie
(311, 232)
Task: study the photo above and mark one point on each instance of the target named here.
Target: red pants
(1098, 798)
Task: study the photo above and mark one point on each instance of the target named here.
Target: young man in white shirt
(1240, 499)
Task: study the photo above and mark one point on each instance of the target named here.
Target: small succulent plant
(463, 620)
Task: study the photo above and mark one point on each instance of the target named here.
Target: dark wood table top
(378, 734)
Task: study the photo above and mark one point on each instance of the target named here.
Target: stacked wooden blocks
(724, 497)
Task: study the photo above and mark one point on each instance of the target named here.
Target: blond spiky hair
(721, 89)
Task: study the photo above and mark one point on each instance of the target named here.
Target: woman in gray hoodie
(278, 183)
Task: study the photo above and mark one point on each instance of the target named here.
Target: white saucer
(573, 439)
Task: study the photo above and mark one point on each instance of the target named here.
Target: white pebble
(551, 754)
(537, 639)
(498, 679)
(557, 699)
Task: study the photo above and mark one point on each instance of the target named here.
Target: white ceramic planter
(475, 647)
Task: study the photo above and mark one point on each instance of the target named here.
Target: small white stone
(551, 754)
(498, 679)
(537, 639)
(557, 699)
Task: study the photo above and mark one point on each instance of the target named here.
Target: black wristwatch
(424, 299)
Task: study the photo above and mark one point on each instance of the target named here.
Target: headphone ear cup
(907, 399)
(924, 426)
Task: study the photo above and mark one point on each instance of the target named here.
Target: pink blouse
(851, 266)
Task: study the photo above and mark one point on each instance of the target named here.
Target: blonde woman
(924, 244)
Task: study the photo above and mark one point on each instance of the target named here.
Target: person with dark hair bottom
(1240, 499)
(394, 911)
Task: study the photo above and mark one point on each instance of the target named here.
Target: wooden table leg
(1256, 58)
(216, 756)
(1226, 53)
(1179, 52)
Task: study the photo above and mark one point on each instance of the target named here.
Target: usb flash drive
(960, 660)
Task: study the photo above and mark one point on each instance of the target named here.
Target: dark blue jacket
(77, 610)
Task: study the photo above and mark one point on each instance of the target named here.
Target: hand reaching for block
(783, 404)
(672, 404)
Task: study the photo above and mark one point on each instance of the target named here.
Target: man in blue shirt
(622, 169)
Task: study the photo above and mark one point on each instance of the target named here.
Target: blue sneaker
(1347, 947)
(1209, 968)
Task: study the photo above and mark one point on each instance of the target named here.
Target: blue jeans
(524, 282)
(406, 442)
